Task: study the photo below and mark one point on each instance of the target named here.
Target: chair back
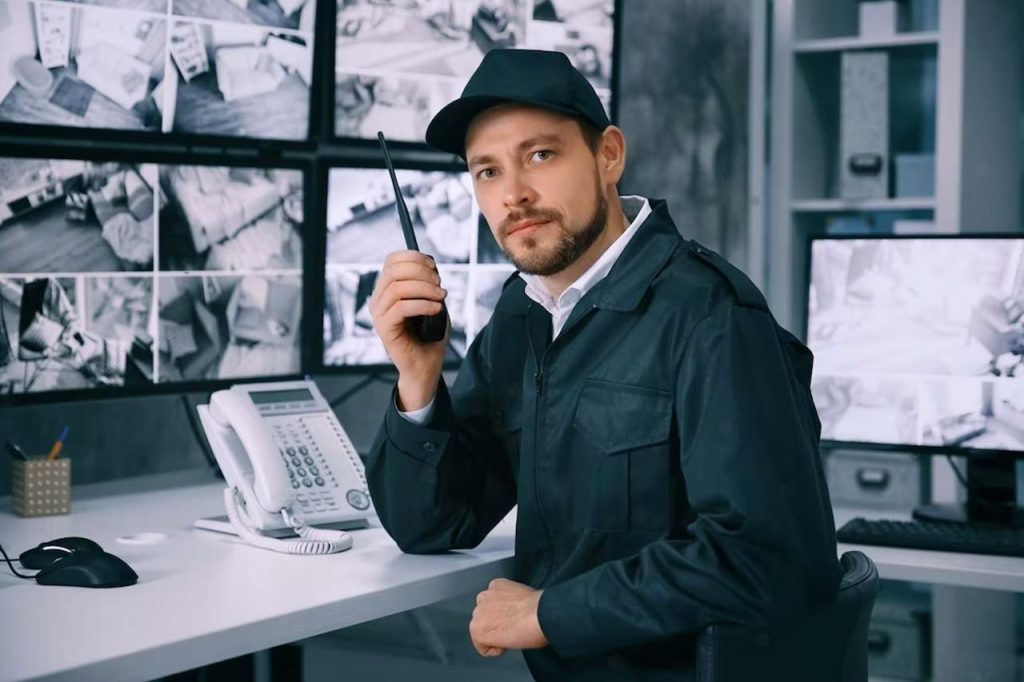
(830, 645)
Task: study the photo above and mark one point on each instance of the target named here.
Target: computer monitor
(363, 227)
(918, 346)
(396, 64)
(158, 68)
(129, 275)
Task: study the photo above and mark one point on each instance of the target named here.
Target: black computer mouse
(88, 569)
(48, 552)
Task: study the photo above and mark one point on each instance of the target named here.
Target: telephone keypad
(308, 469)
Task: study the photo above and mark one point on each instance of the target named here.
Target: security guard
(632, 394)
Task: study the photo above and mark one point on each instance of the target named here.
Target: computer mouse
(47, 552)
(88, 569)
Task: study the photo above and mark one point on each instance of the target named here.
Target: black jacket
(663, 451)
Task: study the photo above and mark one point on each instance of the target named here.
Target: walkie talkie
(428, 328)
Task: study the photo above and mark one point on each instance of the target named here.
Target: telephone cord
(313, 540)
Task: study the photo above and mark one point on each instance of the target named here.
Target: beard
(572, 244)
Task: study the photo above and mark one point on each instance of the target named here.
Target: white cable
(313, 540)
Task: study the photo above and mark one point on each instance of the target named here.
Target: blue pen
(58, 444)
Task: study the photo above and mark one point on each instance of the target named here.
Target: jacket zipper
(538, 380)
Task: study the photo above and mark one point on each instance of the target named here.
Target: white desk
(205, 597)
(951, 569)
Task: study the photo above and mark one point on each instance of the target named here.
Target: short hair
(591, 134)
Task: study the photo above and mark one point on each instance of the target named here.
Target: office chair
(829, 646)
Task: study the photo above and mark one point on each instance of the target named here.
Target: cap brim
(447, 130)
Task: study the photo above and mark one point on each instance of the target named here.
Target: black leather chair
(829, 646)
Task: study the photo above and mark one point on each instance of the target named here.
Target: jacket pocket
(626, 430)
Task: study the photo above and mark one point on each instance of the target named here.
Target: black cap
(538, 77)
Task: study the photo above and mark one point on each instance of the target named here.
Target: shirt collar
(636, 210)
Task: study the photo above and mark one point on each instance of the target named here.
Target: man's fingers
(399, 292)
(403, 310)
(483, 649)
(408, 256)
(408, 270)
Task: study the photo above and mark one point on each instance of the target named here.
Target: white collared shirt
(636, 210)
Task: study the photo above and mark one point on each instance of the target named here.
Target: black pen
(15, 451)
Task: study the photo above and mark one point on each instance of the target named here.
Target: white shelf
(831, 205)
(860, 43)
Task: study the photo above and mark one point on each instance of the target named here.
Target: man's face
(538, 185)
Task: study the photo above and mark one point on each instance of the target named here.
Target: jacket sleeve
(445, 484)
(761, 548)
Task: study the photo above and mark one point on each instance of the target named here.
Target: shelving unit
(955, 91)
(955, 80)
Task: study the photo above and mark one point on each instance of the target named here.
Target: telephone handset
(288, 463)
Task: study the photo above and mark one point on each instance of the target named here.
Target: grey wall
(684, 78)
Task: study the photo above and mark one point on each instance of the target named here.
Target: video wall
(193, 67)
(118, 273)
(363, 228)
(398, 63)
(157, 208)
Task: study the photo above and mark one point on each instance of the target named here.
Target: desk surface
(203, 596)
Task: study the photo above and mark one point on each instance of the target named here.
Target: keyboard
(936, 536)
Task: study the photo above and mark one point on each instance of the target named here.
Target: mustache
(538, 214)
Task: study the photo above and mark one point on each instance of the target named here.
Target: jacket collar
(627, 282)
(644, 257)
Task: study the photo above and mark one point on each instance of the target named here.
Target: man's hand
(408, 286)
(505, 617)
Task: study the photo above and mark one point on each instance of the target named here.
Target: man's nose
(518, 192)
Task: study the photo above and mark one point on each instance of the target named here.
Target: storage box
(40, 487)
(882, 18)
(864, 125)
(915, 175)
(879, 480)
(900, 635)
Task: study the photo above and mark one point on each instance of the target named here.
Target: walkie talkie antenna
(432, 328)
(403, 211)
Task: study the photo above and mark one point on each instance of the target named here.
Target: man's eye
(486, 174)
(542, 154)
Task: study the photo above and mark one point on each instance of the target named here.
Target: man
(632, 394)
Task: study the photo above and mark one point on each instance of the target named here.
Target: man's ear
(611, 155)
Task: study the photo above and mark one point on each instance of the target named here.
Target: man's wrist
(415, 395)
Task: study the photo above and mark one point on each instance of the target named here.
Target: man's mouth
(526, 226)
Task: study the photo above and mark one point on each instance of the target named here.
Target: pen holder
(41, 487)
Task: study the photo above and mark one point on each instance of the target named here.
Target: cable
(11, 566)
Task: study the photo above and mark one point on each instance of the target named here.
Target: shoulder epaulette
(747, 293)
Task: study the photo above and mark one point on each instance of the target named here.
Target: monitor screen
(119, 274)
(168, 67)
(396, 64)
(363, 228)
(919, 341)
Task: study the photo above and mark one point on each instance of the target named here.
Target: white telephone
(287, 463)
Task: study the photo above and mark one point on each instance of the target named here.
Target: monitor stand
(991, 495)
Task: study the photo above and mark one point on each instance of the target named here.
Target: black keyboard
(936, 536)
